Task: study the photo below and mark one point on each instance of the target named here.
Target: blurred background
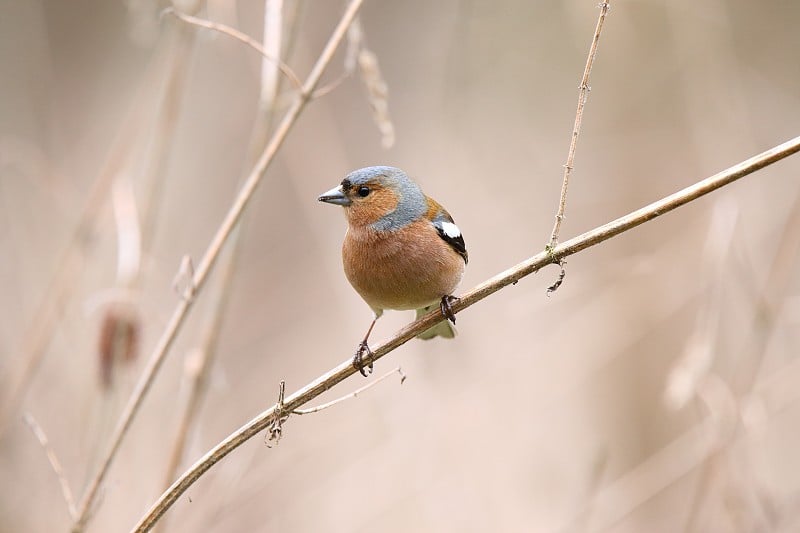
(656, 390)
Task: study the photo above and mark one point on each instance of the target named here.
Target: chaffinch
(402, 250)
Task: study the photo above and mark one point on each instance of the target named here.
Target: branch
(583, 95)
(211, 255)
(490, 286)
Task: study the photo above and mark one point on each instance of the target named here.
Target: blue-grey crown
(411, 204)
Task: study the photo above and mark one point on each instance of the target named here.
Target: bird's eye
(363, 191)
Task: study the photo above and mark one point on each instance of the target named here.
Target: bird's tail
(442, 329)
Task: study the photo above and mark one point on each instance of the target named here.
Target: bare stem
(488, 287)
(54, 462)
(210, 257)
(583, 95)
(353, 394)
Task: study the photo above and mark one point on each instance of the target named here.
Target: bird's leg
(358, 360)
(445, 306)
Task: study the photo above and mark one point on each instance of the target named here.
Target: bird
(402, 249)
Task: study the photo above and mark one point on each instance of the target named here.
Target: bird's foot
(363, 352)
(446, 307)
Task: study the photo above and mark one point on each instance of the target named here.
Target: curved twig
(236, 34)
(353, 394)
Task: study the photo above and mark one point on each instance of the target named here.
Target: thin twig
(210, 257)
(331, 86)
(54, 462)
(353, 394)
(488, 287)
(583, 95)
(236, 34)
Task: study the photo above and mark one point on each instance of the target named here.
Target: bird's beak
(335, 196)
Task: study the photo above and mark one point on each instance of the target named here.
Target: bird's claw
(358, 360)
(446, 307)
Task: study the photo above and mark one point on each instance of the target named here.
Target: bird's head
(383, 198)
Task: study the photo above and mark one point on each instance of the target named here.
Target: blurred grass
(499, 429)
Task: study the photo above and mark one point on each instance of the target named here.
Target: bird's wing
(447, 229)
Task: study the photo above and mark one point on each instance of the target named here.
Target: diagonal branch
(488, 287)
(210, 258)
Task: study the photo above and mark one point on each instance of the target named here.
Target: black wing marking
(450, 233)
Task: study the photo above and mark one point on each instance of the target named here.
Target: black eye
(363, 191)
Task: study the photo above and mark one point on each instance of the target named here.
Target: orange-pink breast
(404, 269)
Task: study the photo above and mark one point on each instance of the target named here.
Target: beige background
(544, 414)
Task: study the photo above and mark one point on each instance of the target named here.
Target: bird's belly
(390, 276)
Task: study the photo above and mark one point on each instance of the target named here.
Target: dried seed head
(120, 330)
(377, 94)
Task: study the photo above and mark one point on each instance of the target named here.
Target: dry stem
(490, 286)
(583, 95)
(54, 463)
(210, 257)
(353, 394)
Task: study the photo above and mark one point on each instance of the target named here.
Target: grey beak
(335, 196)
